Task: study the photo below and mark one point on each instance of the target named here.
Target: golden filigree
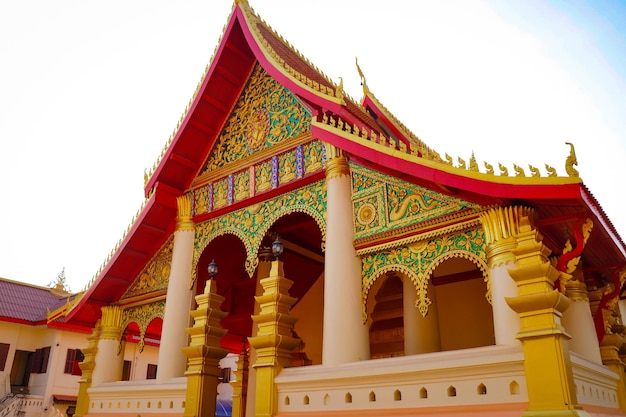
(143, 316)
(265, 114)
(155, 275)
(258, 219)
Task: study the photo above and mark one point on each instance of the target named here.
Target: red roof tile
(22, 301)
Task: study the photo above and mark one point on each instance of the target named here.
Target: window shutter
(69, 361)
(4, 353)
(45, 355)
(35, 364)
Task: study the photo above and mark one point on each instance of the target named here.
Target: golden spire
(363, 82)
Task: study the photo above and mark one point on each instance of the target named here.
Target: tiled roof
(27, 302)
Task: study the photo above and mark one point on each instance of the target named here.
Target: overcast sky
(91, 90)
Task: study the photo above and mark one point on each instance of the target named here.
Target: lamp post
(212, 269)
(277, 248)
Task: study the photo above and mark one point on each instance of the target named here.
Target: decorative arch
(142, 315)
(258, 218)
(418, 260)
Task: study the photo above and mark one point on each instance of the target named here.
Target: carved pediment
(265, 114)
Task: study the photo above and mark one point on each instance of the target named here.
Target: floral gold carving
(143, 316)
(266, 113)
(418, 260)
(155, 274)
(250, 224)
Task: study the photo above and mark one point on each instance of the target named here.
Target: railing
(139, 397)
(472, 377)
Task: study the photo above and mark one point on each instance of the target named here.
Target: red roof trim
(368, 102)
(595, 208)
(498, 190)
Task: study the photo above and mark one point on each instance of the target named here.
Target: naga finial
(504, 171)
(489, 168)
(339, 90)
(571, 161)
(473, 165)
(551, 171)
(363, 82)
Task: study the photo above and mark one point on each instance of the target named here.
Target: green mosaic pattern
(418, 261)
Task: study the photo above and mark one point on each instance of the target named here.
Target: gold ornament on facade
(155, 274)
(534, 172)
(183, 220)
(258, 127)
(366, 214)
(519, 171)
(489, 168)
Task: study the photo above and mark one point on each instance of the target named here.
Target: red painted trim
(18, 321)
(497, 190)
(380, 114)
(278, 75)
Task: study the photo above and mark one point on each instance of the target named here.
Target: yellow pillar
(421, 334)
(172, 363)
(240, 384)
(87, 367)
(549, 376)
(499, 229)
(109, 358)
(346, 337)
(204, 353)
(274, 342)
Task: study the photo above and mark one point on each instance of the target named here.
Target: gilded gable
(265, 114)
(155, 275)
(383, 203)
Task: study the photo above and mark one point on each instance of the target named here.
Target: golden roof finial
(571, 161)
(363, 82)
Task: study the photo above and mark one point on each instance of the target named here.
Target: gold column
(204, 353)
(240, 384)
(87, 366)
(549, 376)
(274, 342)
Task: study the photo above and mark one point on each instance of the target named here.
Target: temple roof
(26, 303)
(367, 131)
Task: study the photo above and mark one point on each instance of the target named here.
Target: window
(39, 364)
(126, 370)
(152, 371)
(4, 353)
(72, 359)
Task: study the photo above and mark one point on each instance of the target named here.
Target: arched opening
(458, 317)
(465, 316)
(387, 322)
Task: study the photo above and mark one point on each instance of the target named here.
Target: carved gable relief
(155, 274)
(383, 203)
(265, 114)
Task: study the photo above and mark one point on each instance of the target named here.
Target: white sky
(90, 92)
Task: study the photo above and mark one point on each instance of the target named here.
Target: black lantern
(212, 268)
(277, 248)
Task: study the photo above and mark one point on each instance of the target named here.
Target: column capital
(110, 322)
(183, 220)
(336, 162)
(501, 225)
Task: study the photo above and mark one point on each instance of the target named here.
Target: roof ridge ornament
(366, 90)
(571, 161)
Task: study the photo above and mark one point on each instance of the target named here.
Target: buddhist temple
(300, 252)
